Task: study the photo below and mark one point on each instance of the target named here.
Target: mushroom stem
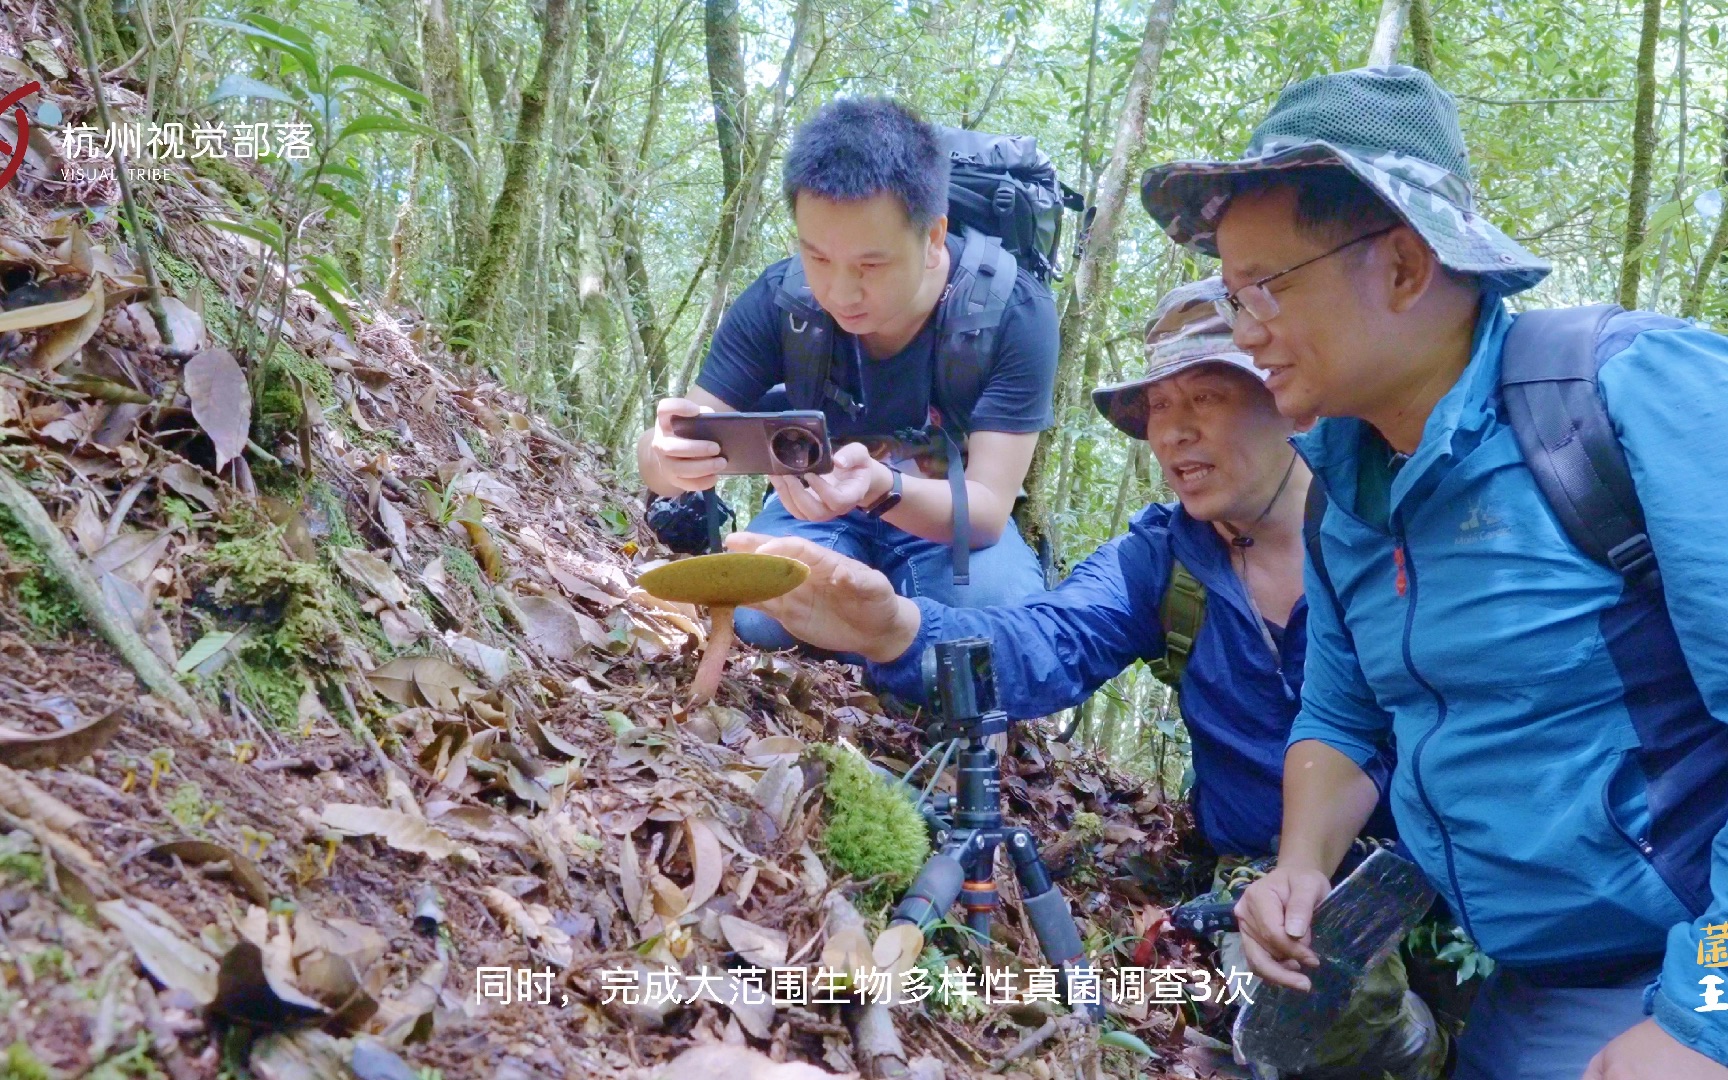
(713, 663)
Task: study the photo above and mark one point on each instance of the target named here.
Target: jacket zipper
(1407, 580)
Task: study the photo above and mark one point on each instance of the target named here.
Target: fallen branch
(876, 1047)
(1025, 1046)
(119, 631)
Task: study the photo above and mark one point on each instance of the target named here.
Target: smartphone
(775, 444)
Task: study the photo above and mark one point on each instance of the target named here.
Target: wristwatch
(889, 501)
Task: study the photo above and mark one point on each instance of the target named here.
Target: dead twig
(119, 632)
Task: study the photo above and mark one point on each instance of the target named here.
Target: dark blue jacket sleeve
(1053, 652)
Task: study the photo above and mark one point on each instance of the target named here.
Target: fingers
(1267, 912)
(837, 497)
(692, 464)
(1272, 970)
(791, 547)
(852, 456)
(667, 408)
(1306, 892)
(800, 500)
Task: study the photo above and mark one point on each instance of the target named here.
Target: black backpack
(1006, 203)
(1548, 369)
(1004, 186)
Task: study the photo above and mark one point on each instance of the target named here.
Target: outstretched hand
(843, 605)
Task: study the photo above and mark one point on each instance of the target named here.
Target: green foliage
(22, 1064)
(133, 1063)
(872, 830)
(1452, 947)
(36, 590)
(22, 866)
(188, 807)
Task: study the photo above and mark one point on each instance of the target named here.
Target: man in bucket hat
(1561, 723)
(1231, 545)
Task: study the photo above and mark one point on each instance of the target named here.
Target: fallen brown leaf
(221, 402)
(21, 750)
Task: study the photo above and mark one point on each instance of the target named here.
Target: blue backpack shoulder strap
(1548, 385)
(807, 343)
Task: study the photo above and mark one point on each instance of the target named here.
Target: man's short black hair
(1332, 205)
(857, 148)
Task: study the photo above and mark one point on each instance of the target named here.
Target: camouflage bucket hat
(1186, 330)
(1392, 128)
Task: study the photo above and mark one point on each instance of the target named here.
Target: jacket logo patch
(1480, 524)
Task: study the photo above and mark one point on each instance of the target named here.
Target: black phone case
(772, 444)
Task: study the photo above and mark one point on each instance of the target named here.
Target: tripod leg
(978, 893)
(1058, 935)
(937, 885)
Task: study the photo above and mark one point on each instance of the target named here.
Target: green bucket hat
(1392, 128)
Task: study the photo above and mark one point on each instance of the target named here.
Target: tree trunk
(1643, 154)
(726, 83)
(1388, 33)
(1422, 35)
(1100, 250)
(492, 77)
(1693, 304)
(446, 84)
(621, 212)
(749, 198)
(521, 164)
(1658, 278)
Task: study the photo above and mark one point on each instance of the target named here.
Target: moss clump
(30, 584)
(291, 606)
(872, 829)
(22, 866)
(261, 576)
(240, 185)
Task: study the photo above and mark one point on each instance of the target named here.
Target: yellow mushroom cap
(728, 578)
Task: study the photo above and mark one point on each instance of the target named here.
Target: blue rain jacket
(1562, 751)
(1238, 698)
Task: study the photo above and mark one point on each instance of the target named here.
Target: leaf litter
(448, 731)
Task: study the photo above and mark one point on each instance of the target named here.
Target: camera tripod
(967, 828)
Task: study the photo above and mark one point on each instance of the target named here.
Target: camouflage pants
(1378, 1010)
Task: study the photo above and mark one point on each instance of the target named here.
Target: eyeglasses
(1257, 300)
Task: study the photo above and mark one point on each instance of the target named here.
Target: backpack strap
(1548, 384)
(807, 342)
(967, 320)
(1313, 514)
(1182, 611)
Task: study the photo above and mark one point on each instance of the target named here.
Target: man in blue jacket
(1237, 530)
(1562, 733)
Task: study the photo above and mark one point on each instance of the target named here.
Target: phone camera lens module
(795, 449)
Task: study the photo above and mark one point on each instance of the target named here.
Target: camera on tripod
(968, 828)
(960, 677)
